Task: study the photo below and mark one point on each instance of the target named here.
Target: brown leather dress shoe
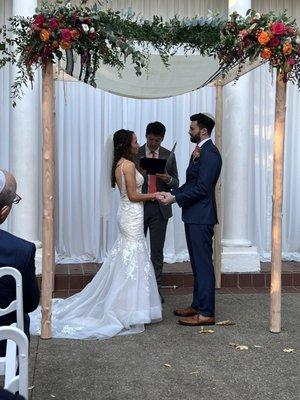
(185, 312)
(197, 320)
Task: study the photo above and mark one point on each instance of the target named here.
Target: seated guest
(16, 253)
(6, 395)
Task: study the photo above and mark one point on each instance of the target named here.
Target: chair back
(13, 382)
(16, 305)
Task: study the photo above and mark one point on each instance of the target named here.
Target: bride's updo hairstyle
(122, 148)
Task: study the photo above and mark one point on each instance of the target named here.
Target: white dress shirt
(200, 144)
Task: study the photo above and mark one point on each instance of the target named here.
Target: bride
(123, 295)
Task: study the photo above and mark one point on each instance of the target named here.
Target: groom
(196, 197)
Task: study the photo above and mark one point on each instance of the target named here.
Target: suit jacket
(6, 395)
(196, 196)
(162, 186)
(20, 254)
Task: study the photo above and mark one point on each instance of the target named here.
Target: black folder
(153, 166)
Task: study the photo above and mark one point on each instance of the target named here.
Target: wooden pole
(278, 163)
(218, 142)
(48, 200)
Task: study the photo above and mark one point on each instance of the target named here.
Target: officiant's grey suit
(156, 215)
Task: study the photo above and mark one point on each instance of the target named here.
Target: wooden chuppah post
(218, 142)
(48, 199)
(278, 164)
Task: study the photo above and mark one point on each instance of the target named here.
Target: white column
(25, 152)
(238, 254)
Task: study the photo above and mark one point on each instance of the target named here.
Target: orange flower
(75, 34)
(55, 44)
(64, 44)
(287, 48)
(266, 54)
(44, 35)
(263, 37)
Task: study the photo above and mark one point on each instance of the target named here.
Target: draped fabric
(84, 119)
(184, 74)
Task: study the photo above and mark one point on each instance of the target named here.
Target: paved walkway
(169, 361)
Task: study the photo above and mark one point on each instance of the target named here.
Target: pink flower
(39, 20)
(53, 23)
(274, 42)
(66, 34)
(278, 28)
(291, 61)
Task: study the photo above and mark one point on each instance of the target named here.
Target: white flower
(298, 40)
(288, 40)
(257, 15)
(92, 30)
(85, 27)
(69, 5)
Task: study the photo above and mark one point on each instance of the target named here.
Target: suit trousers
(157, 225)
(199, 242)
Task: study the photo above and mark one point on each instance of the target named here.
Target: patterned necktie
(152, 178)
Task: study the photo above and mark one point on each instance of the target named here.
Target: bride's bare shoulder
(128, 166)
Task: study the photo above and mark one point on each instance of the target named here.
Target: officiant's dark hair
(203, 121)
(122, 148)
(156, 128)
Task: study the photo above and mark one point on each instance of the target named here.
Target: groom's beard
(194, 139)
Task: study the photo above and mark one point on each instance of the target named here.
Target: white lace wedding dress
(123, 295)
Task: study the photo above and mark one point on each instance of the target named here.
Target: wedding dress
(123, 295)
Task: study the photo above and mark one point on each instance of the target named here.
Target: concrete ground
(169, 361)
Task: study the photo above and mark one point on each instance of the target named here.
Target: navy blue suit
(20, 254)
(196, 197)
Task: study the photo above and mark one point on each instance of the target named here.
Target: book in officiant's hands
(154, 166)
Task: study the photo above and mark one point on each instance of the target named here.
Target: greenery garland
(111, 37)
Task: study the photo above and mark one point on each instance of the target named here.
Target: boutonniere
(196, 154)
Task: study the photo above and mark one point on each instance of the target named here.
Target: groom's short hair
(204, 121)
(156, 128)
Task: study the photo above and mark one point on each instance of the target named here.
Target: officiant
(156, 215)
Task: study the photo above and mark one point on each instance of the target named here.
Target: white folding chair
(9, 365)
(13, 382)
(16, 305)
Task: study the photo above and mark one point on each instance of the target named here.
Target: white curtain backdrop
(84, 118)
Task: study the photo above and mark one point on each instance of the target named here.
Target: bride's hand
(158, 196)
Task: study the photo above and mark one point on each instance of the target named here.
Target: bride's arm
(129, 172)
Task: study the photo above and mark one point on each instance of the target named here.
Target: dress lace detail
(123, 295)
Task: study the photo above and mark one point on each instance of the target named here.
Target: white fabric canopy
(185, 73)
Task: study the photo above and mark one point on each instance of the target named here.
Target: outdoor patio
(169, 361)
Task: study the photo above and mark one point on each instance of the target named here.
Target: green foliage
(111, 37)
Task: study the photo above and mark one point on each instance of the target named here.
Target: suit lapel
(143, 151)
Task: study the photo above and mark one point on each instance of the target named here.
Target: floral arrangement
(108, 36)
(275, 39)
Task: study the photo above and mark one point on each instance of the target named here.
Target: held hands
(164, 198)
